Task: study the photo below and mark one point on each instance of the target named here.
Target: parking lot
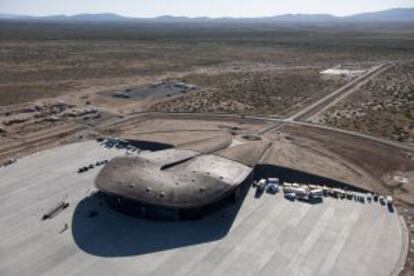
(263, 236)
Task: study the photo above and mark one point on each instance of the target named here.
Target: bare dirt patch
(377, 161)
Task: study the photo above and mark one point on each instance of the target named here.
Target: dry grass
(383, 107)
(39, 60)
(275, 92)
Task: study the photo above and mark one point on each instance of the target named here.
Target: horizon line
(201, 16)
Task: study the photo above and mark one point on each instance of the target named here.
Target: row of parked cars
(91, 166)
(311, 193)
(270, 185)
(291, 191)
(363, 198)
(294, 191)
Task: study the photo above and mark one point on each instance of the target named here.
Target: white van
(261, 185)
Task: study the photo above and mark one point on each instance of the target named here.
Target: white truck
(261, 185)
(301, 192)
(316, 193)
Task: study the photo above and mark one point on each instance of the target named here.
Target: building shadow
(99, 230)
(149, 145)
(312, 201)
(258, 193)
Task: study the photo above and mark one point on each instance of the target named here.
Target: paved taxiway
(265, 236)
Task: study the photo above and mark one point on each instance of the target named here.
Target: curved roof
(174, 178)
(193, 174)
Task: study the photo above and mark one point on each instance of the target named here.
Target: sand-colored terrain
(383, 107)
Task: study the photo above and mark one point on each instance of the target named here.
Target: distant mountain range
(392, 15)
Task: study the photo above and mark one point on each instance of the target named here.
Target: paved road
(266, 236)
(335, 96)
(310, 111)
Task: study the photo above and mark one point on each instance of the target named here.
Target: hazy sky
(212, 8)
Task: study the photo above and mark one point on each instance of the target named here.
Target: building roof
(193, 174)
(173, 178)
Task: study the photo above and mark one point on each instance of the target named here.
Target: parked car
(272, 185)
(272, 188)
(325, 191)
(290, 196)
(335, 192)
(316, 193)
(389, 201)
(273, 180)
